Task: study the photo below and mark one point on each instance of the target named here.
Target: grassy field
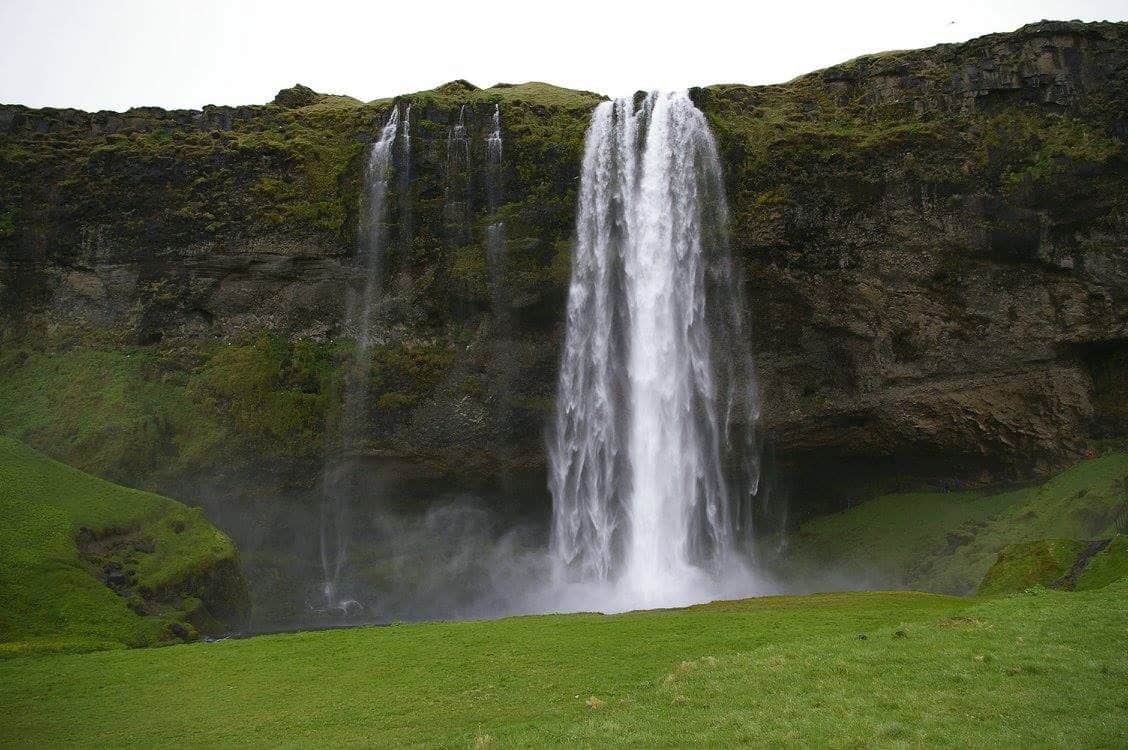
(1043, 668)
(946, 542)
(51, 588)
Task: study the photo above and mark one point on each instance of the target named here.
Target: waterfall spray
(653, 456)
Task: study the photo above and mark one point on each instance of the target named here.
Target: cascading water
(403, 169)
(653, 456)
(341, 476)
(457, 140)
(456, 183)
(495, 231)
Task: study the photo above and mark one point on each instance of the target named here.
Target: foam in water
(340, 480)
(653, 459)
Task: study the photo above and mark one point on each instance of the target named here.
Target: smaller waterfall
(457, 142)
(493, 140)
(358, 308)
(495, 231)
(405, 142)
(502, 367)
(456, 186)
(340, 482)
(403, 168)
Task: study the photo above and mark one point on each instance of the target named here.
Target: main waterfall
(654, 462)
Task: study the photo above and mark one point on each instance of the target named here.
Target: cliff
(933, 243)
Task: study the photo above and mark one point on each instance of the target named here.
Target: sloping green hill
(87, 564)
(946, 542)
(1109, 566)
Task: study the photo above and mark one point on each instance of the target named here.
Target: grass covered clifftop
(86, 564)
(148, 177)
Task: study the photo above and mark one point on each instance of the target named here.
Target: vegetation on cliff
(86, 564)
(171, 190)
(146, 414)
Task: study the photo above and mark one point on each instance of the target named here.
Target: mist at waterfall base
(653, 478)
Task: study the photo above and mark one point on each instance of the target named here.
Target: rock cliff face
(937, 243)
(935, 246)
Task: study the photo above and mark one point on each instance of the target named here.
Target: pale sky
(116, 54)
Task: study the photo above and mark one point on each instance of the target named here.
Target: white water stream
(652, 457)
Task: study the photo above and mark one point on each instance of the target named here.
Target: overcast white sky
(115, 54)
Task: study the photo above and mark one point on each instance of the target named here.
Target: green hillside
(86, 564)
(947, 541)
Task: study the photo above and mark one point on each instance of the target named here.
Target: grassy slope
(1040, 563)
(1036, 669)
(534, 93)
(1106, 567)
(947, 541)
(51, 598)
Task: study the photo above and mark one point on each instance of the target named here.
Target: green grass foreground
(1043, 668)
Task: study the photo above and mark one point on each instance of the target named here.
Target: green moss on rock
(1040, 563)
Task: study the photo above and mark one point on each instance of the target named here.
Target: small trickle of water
(456, 184)
(653, 459)
(405, 142)
(495, 232)
(457, 141)
(403, 167)
(493, 140)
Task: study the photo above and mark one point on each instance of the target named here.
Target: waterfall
(342, 476)
(653, 454)
(495, 231)
(493, 154)
(457, 139)
(403, 168)
(456, 184)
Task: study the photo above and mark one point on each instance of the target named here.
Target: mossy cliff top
(154, 177)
